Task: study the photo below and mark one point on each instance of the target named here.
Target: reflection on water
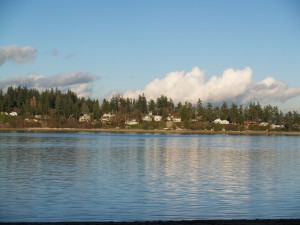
(128, 177)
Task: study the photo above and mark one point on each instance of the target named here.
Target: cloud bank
(79, 82)
(17, 54)
(231, 85)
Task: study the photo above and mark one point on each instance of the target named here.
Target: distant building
(176, 119)
(274, 126)
(157, 118)
(13, 113)
(107, 117)
(38, 117)
(219, 121)
(31, 120)
(84, 118)
(147, 118)
(264, 124)
(131, 122)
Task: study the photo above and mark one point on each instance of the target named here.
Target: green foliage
(207, 125)
(218, 127)
(197, 125)
(55, 103)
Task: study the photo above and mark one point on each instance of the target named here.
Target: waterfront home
(131, 122)
(274, 126)
(219, 121)
(29, 120)
(84, 118)
(157, 118)
(13, 113)
(147, 118)
(38, 117)
(264, 124)
(174, 119)
(107, 117)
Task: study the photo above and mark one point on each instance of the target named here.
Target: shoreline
(141, 131)
(183, 222)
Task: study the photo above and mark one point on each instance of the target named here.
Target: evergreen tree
(234, 113)
(208, 114)
(96, 110)
(45, 102)
(241, 117)
(152, 106)
(170, 105)
(84, 108)
(267, 112)
(114, 104)
(105, 106)
(200, 109)
(58, 110)
(128, 107)
(224, 111)
(141, 104)
(1, 101)
(162, 102)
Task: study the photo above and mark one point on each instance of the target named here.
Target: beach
(158, 131)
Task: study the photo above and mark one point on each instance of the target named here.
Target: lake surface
(129, 177)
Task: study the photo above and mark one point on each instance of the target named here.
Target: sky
(215, 50)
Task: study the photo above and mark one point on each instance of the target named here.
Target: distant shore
(158, 131)
(184, 222)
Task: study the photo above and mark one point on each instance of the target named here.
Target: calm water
(128, 177)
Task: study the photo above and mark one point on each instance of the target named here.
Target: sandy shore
(140, 131)
(192, 222)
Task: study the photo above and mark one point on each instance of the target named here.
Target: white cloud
(270, 89)
(17, 54)
(83, 90)
(232, 85)
(79, 82)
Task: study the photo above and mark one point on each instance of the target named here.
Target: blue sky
(133, 46)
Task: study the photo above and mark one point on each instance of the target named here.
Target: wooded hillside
(64, 109)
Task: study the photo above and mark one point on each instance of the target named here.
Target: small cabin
(157, 118)
(13, 113)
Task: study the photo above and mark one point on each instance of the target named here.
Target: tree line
(68, 106)
(55, 103)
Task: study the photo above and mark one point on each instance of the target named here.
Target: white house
(13, 113)
(107, 117)
(263, 124)
(176, 119)
(274, 126)
(157, 118)
(38, 117)
(131, 122)
(84, 118)
(147, 118)
(219, 121)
